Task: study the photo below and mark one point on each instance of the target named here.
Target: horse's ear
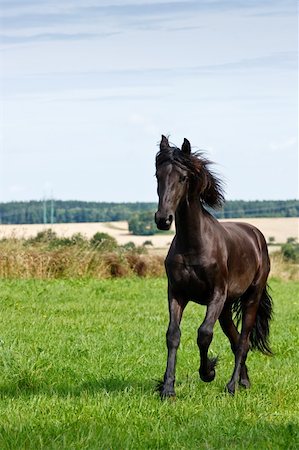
(186, 147)
(164, 144)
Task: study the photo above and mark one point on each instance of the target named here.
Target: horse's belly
(240, 279)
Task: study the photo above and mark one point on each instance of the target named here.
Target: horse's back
(244, 232)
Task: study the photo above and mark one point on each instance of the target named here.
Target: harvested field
(119, 230)
(279, 228)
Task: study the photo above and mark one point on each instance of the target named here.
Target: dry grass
(53, 257)
(19, 261)
(283, 270)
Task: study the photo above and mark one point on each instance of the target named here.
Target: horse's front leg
(173, 335)
(205, 335)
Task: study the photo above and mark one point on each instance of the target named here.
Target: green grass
(79, 360)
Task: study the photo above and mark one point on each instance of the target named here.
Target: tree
(142, 224)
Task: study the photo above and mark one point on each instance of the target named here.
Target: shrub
(78, 239)
(291, 240)
(49, 239)
(142, 224)
(43, 237)
(103, 242)
(290, 252)
(145, 243)
(129, 246)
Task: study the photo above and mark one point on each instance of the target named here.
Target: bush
(79, 239)
(103, 242)
(43, 237)
(142, 224)
(145, 243)
(49, 239)
(291, 240)
(129, 246)
(290, 251)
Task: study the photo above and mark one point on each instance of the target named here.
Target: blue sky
(87, 89)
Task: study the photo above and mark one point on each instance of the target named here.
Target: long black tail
(259, 336)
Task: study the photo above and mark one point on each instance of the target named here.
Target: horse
(224, 266)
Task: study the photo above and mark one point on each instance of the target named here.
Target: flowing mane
(210, 188)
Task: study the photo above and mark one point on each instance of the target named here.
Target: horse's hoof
(164, 395)
(245, 383)
(164, 391)
(244, 378)
(207, 377)
(210, 374)
(230, 388)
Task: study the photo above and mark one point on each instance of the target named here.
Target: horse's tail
(259, 337)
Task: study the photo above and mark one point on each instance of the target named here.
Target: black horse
(224, 266)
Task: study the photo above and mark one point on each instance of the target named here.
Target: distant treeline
(58, 211)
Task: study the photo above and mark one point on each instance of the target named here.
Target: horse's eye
(183, 178)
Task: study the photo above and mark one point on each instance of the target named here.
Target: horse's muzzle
(162, 222)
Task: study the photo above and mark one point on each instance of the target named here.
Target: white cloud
(291, 142)
(144, 123)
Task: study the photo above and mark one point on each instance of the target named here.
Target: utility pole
(52, 210)
(45, 210)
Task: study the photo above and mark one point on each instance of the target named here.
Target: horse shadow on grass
(108, 385)
(94, 386)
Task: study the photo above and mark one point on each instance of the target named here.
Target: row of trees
(69, 211)
(78, 211)
(263, 208)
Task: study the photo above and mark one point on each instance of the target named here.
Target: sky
(88, 87)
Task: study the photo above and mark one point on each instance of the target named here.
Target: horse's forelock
(211, 192)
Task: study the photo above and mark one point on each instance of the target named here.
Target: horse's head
(172, 178)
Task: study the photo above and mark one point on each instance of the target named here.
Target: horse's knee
(173, 336)
(204, 335)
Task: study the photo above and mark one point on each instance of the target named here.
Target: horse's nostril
(169, 220)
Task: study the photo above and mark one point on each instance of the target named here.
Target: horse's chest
(189, 280)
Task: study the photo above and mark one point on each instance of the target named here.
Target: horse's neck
(192, 223)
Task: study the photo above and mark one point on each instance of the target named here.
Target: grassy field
(79, 360)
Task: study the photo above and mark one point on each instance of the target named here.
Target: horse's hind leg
(250, 306)
(230, 330)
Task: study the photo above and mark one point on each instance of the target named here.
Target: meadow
(80, 359)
